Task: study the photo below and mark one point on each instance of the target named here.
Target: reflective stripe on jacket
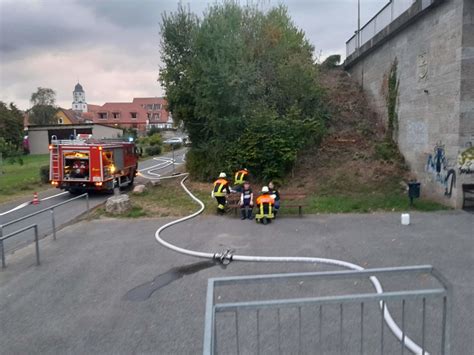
(241, 176)
(219, 186)
(262, 199)
(265, 206)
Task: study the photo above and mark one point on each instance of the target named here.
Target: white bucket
(405, 219)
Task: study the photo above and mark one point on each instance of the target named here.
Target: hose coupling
(224, 257)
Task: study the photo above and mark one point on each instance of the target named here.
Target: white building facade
(79, 99)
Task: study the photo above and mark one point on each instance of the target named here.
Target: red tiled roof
(150, 100)
(87, 115)
(124, 111)
(71, 115)
(77, 117)
(92, 107)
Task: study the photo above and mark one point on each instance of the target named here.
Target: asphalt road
(93, 292)
(67, 213)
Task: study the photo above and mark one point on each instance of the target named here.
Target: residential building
(65, 116)
(141, 114)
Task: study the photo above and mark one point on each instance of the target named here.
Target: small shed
(39, 137)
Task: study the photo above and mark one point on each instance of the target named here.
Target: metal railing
(376, 24)
(351, 322)
(69, 141)
(2, 249)
(51, 209)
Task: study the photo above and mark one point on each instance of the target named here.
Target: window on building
(60, 120)
(102, 115)
(156, 116)
(134, 125)
(149, 107)
(133, 115)
(148, 115)
(116, 115)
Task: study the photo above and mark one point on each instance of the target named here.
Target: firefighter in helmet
(221, 188)
(240, 177)
(265, 204)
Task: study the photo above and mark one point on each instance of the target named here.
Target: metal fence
(246, 314)
(382, 19)
(50, 209)
(8, 236)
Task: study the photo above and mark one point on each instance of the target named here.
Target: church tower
(79, 99)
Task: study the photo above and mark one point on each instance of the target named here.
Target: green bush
(153, 150)
(387, 151)
(44, 174)
(153, 131)
(155, 139)
(332, 61)
(7, 149)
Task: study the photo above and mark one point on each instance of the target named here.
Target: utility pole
(172, 145)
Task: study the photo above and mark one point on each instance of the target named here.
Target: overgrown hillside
(353, 169)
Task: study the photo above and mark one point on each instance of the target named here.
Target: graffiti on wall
(466, 161)
(439, 166)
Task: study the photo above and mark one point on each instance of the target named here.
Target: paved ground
(69, 212)
(84, 298)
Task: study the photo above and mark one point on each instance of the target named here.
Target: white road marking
(24, 204)
(165, 162)
(50, 197)
(15, 208)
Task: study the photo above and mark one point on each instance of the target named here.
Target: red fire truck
(84, 165)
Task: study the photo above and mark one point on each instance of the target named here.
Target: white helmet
(222, 175)
(265, 189)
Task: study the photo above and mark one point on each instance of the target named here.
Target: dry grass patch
(168, 199)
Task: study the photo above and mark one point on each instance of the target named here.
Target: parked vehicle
(84, 165)
(175, 140)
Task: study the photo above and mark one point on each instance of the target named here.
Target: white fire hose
(227, 256)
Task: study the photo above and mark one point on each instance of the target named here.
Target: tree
(44, 107)
(11, 128)
(332, 61)
(245, 86)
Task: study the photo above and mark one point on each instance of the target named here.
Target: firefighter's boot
(220, 209)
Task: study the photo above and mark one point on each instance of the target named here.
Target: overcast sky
(112, 46)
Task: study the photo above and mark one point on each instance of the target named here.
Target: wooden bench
(468, 195)
(287, 200)
(233, 201)
(293, 200)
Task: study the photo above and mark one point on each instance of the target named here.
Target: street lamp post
(358, 27)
